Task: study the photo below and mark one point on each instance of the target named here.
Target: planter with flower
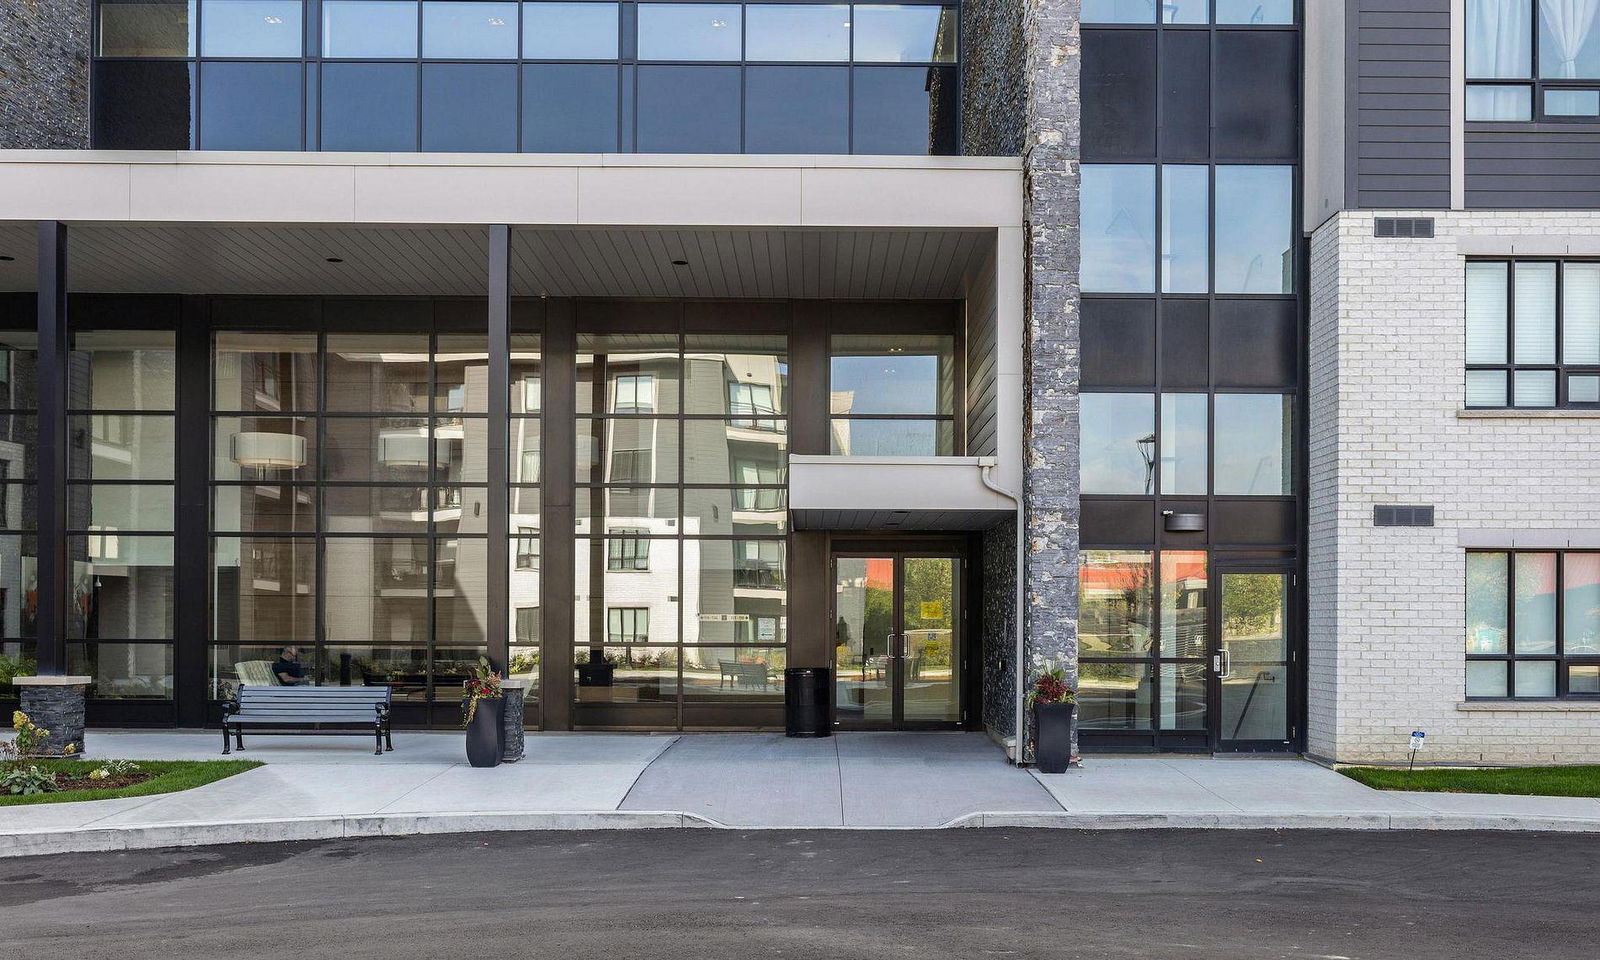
(483, 714)
(1054, 705)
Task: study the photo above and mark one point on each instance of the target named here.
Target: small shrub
(114, 768)
(28, 780)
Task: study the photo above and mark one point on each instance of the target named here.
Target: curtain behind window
(1568, 26)
(1500, 38)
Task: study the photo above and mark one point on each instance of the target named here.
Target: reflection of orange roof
(1123, 576)
(1582, 570)
(880, 573)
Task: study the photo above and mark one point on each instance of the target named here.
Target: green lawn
(1526, 781)
(170, 776)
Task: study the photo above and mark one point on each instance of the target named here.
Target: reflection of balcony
(907, 493)
(758, 577)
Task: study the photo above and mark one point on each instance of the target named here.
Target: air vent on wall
(1416, 228)
(1402, 516)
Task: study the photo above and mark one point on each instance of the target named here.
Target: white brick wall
(1386, 604)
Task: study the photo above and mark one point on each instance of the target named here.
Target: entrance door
(1251, 663)
(899, 643)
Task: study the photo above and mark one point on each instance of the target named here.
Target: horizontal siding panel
(1431, 149)
(1412, 85)
(1403, 134)
(1408, 166)
(1403, 68)
(1531, 200)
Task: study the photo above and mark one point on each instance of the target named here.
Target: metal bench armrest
(382, 710)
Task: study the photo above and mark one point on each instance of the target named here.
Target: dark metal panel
(1119, 94)
(1119, 342)
(556, 579)
(1399, 97)
(497, 621)
(192, 580)
(52, 447)
(808, 379)
(810, 632)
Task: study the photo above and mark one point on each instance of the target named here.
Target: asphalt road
(706, 894)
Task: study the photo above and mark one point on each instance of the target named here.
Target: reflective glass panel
(382, 450)
(19, 366)
(19, 445)
(1535, 311)
(376, 589)
(1486, 678)
(146, 28)
(905, 111)
(627, 451)
(1535, 678)
(251, 28)
(1118, 228)
(143, 105)
(734, 674)
(569, 31)
(263, 589)
(525, 448)
(1535, 603)
(402, 668)
(1499, 38)
(1184, 618)
(1572, 103)
(469, 30)
(1119, 11)
(1114, 603)
(635, 572)
(734, 591)
(1254, 11)
(369, 29)
(1583, 679)
(275, 449)
(461, 375)
(16, 660)
(1486, 312)
(1499, 102)
(804, 32)
(641, 372)
(260, 508)
(689, 31)
(1580, 313)
(796, 109)
(1185, 229)
(1569, 48)
(891, 438)
(1184, 429)
(1114, 696)
(19, 578)
(736, 451)
(1185, 11)
(1534, 388)
(121, 587)
(1118, 443)
(369, 106)
(684, 109)
(123, 671)
(376, 510)
(19, 509)
(134, 370)
(106, 506)
(377, 373)
(1253, 446)
(1486, 388)
(650, 510)
(1183, 696)
(460, 590)
(1254, 229)
(1488, 599)
(109, 446)
(469, 107)
(1580, 603)
(632, 674)
(569, 108)
(742, 511)
(265, 371)
(892, 374)
(886, 33)
(1583, 389)
(741, 376)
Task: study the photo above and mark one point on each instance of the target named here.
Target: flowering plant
(1051, 687)
(29, 739)
(484, 684)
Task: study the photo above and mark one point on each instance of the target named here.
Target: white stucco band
(1387, 604)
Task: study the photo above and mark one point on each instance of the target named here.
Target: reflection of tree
(877, 622)
(1116, 606)
(1252, 604)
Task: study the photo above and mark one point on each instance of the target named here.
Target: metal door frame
(1221, 742)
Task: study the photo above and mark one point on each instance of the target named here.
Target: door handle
(1225, 669)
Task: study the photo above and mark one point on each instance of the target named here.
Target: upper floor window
(892, 395)
(1226, 445)
(1533, 333)
(1532, 59)
(537, 76)
(1189, 11)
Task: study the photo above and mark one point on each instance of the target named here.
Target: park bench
(304, 709)
(741, 673)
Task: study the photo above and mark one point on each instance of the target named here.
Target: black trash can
(808, 702)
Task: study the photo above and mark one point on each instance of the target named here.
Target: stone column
(516, 695)
(56, 704)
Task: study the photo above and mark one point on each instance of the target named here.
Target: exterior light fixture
(268, 451)
(680, 263)
(4, 259)
(335, 259)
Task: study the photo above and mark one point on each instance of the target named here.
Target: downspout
(1020, 735)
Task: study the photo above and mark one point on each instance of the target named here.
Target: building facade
(647, 349)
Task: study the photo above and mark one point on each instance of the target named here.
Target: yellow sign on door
(932, 610)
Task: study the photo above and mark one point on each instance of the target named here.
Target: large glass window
(1241, 12)
(1117, 443)
(569, 31)
(1227, 444)
(1532, 624)
(369, 29)
(1517, 312)
(470, 30)
(1118, 228)
(146, 28)
(1255, 229)
(1254, 446)
(803, 32)
(1532, 59)
(892, 395)
(251, 28)
(691, 31)
(19, 556)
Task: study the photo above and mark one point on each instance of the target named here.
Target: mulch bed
(83, 782)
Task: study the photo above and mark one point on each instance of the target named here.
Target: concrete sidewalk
(320, 788)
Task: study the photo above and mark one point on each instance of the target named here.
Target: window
(527, 552)
(1532, 625)
(1532, 59)
(1226, 444)
(1241, 12)
(892, 395)
(750, 400)
(628, 625)
(634, 394)
(1532, 333)
(627, 550)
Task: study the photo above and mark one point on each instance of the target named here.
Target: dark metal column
(557, 507)
(192, 558)
(52, 446)
(499, 494)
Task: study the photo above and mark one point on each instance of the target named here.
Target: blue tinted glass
(1569, 41)
(1252, 449)
(797, 109)
(1572, 103)
(1117, 237)
(904, 34)
(688, 110)
(904, 110)
(469, 31)
(1185, 11)
(1255, 229)
(569, 31)
(1185, 228)
(1119, 11)
(1499, 102)
(788, 31)
(689, 31)
(469, 107)
(369, 106)
(569, 108)
(369, 28)
(1117, 436)
(250, 28)
(1255, 11)
(250, 106)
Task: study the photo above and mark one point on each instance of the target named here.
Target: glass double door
(1251, 662)
(899, 644)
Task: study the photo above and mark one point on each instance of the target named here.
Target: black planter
(1052, 737)
(486, 734)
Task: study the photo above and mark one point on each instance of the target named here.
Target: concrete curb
(145, 837)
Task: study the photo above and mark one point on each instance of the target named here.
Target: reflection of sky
(1112, 425)
(902, 383)
(1250, 443)
(1255, 226)
(1118, 233)
(690, 31)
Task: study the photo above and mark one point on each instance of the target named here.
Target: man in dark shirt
(288, 668)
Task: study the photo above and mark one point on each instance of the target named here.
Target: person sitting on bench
(288, 668)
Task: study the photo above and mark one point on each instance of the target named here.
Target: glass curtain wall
(19, 517)
(1190, 408)
(349, 511)
(525, 449)
(542, 76)
(681, 559)
(121, 470)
